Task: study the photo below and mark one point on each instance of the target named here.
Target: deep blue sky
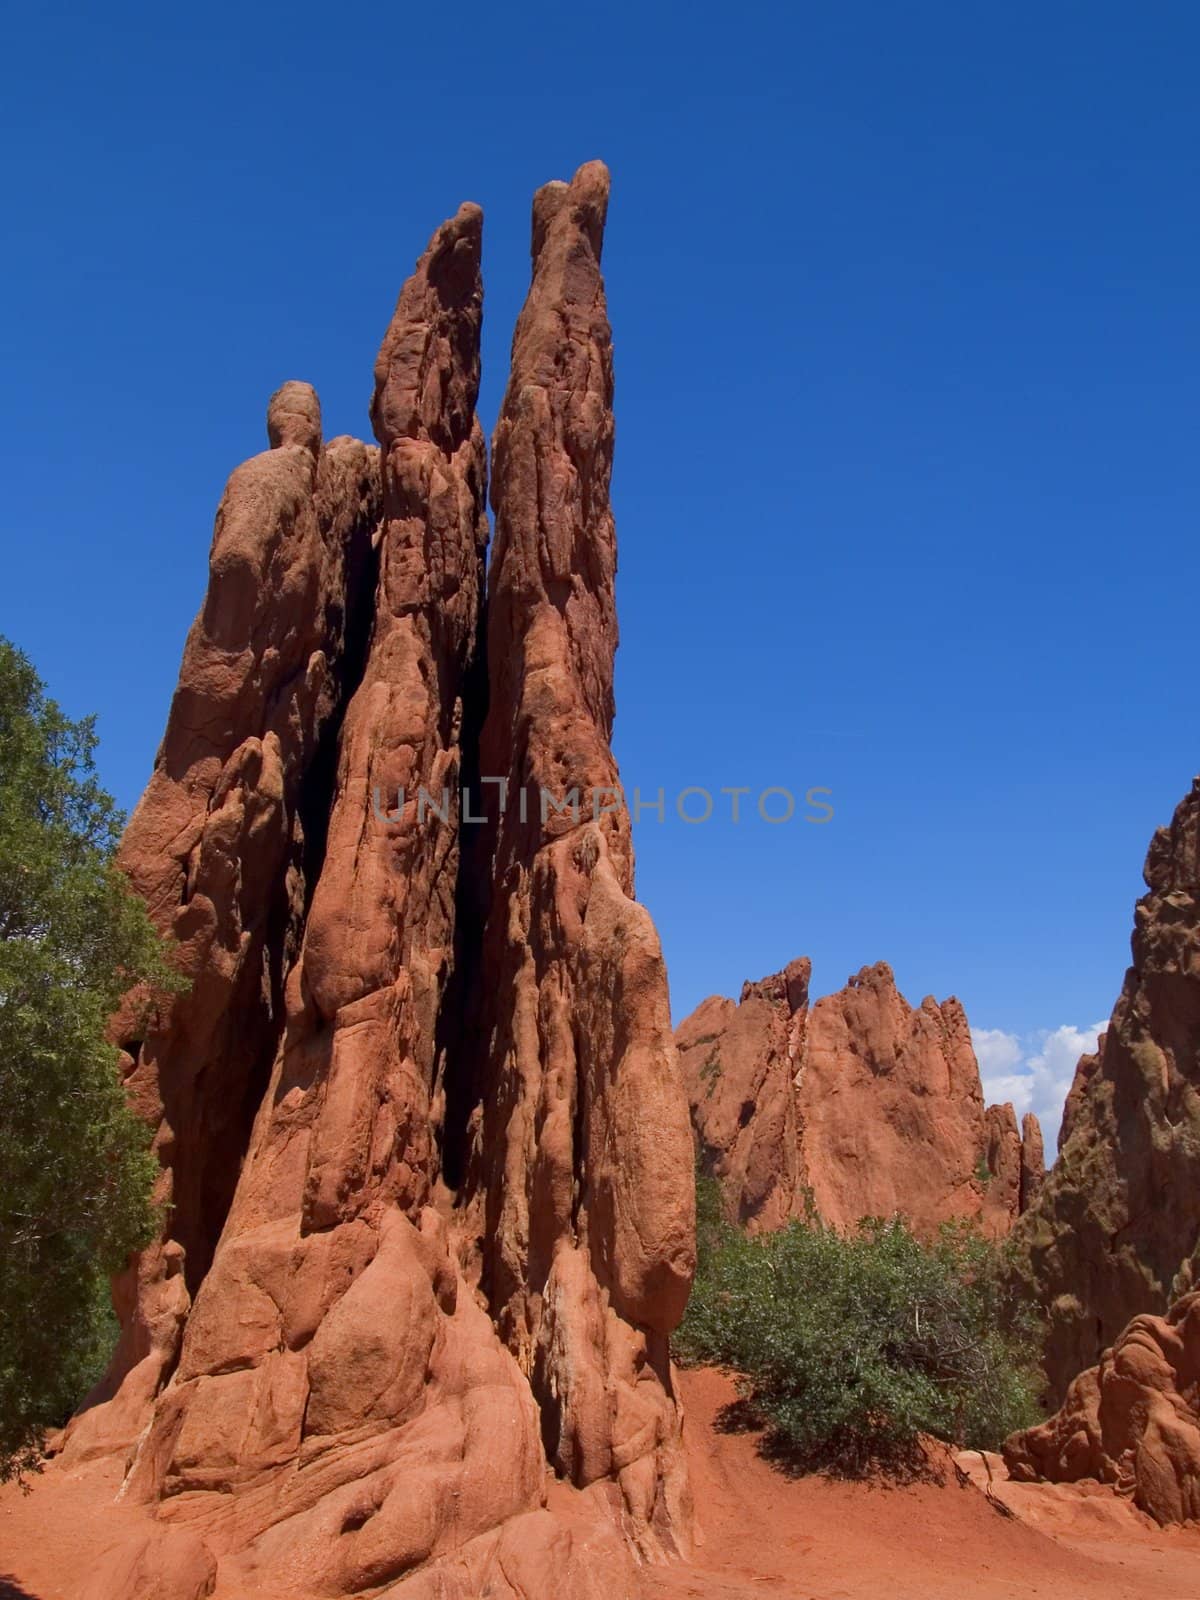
(905, 301)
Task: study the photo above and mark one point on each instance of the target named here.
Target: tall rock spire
(582, 1156)
(349, 1322)
(455, 1227)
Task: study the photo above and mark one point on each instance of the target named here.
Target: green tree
(850, 1345)
(76, 1171)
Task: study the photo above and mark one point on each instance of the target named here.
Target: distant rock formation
(419, 1115)
(1133, 1421)
(866, 1104)
(1115, 1228)
(1033, 1161)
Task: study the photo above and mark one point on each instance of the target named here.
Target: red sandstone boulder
(1133, 1421)
(867, 1105)
(159, 1564)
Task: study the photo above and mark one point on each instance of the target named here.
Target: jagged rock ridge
(420, 1111)
(867, 1105)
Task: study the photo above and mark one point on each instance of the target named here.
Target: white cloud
(1033, 1070)
(995, 1050)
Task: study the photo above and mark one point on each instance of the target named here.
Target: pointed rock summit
(580, 1154)
(424, 1144)
(857, 1102)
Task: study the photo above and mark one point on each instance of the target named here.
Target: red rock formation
(224, 844)
(859, 1100)
(456, 1237)
(1133, 1421)
(580, 1153)
(1033, 1161)
(1003, 1157)
(739, 1063)
(330, 1332)
(1113, 1232)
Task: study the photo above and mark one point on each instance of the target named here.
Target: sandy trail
(811, 1539)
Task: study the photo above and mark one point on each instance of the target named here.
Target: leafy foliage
(850, 1345)
(75, 1169)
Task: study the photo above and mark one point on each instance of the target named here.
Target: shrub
(75, 1166)
(850, 1345)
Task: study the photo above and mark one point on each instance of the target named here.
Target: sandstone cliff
(419, 1113)
(869, 1105)
(1114, 1230)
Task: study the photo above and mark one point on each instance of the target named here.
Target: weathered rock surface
(1033, 1161)
(1003, 1158)
(1114, 1230)
(224, 845)
(580, 1155)
(1133, 1421)
(870, 1106)
(419, 1112)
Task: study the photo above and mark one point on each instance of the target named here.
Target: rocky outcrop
(225, 844)
(1003, 1159)
(580, 1156)
(1114, 1231)
(1033, 1161)
(420, 1106)
(1133, 1421)
(858, 1102)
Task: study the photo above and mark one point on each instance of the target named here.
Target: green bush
(76, 1170)
(850, 1345)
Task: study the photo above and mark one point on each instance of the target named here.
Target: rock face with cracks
(419, 1113)
(1114, 1232)
(580, 1155)
(1133, 1421)
(858, 1103)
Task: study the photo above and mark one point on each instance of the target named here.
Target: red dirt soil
(810, 1538)
(760, 1532)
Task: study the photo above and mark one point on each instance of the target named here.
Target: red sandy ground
(761, 1533)
(815, 1539)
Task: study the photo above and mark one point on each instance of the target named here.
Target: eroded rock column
(581, 1155)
